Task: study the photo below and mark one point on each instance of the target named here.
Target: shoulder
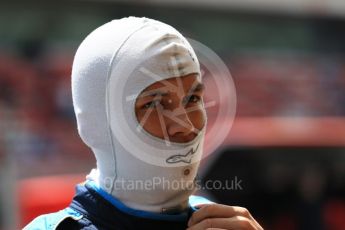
(53, 220)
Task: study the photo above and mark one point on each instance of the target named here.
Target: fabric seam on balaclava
(110, 67)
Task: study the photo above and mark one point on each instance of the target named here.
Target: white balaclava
(111, 67)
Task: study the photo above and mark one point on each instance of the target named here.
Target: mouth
(180, 138)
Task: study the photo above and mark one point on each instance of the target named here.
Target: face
(172, 109)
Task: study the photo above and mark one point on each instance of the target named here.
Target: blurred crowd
(36, 111)
(290, 85)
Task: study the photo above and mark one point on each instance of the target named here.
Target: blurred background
(287, 143)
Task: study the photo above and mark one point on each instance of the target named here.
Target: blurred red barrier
(46, 194)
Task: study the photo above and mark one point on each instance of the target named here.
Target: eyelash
(196, 97)
(153, 104)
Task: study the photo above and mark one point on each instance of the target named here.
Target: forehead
(184, 83)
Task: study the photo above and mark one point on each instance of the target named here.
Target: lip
(180, 138)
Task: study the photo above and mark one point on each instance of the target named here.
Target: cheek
(151, 123)
(198, 117)
(153, 126)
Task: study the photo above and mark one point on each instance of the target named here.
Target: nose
(180, 128)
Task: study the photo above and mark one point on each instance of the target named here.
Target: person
(138, 98)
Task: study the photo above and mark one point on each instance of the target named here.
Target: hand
(222, 217)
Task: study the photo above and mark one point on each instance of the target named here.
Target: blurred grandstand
(288, 138)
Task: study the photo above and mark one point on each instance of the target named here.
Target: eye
(151, 104)
(193, 99)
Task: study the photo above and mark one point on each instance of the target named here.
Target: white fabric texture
(111, 67)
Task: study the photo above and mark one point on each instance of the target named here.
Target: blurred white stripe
(305, 7)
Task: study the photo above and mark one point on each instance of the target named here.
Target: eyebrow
(158, 92)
